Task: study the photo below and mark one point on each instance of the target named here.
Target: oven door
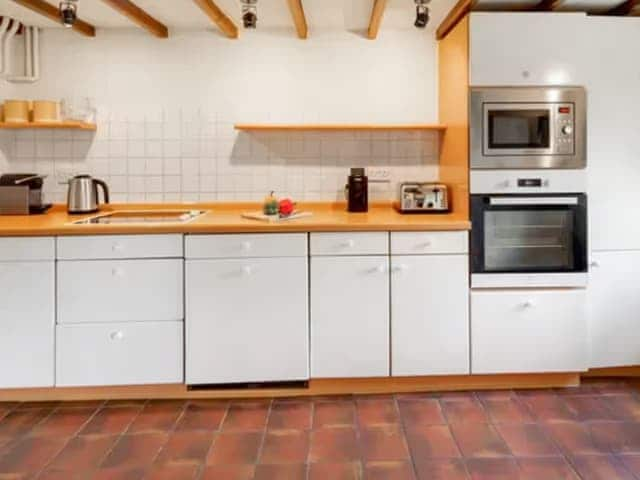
(529, 240)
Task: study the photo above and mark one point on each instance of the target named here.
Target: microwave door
(512, 129)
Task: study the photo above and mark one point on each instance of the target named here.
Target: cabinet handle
(425, 244)
(247, 270)
(117, 247)
(117, 272)
(348, 244)
(116, 335)
(528, 304)
(594, 264)
(399, 268)
(245, 246)
(381, 269)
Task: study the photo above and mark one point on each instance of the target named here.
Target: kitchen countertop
(226, 218)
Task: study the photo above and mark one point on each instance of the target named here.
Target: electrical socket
(379, 174)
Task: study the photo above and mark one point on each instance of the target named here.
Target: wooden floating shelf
(337, 127)
(68, 125)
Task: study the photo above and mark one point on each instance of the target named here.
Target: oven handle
(533, 200)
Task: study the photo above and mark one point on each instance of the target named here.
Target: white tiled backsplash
(200, 158)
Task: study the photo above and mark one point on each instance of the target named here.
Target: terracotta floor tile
(617, 437)
(190, 447)
(549, 408)
(575, 438)
(124, 402)
(334, 414)
(613, 387)
(507, 411)
(52, 474)
(431, 441)
(421, 412)
(493, 469)
(625, 407)
(546, 468)
(111, 421)
(441, 469)
(246, 416)
(235, 448)
(290, 416)
(590, 408)
(462, 395)
(285, 447)
(334, 445)
(479, 440)
(180, 471)
(65, 422)
(157, 417)
(281, 472)
(138, 450)
(389, 471)
(84, 453)
(335, 471)
(120, 473)
(496, 395)
(202, 416)
(228, 472)
(527, 440)
(31, 454)
(600, 467)
(19, 422)
(380, 444)
(379, 411)
(464, 410)
(49, 405)
(632, 463)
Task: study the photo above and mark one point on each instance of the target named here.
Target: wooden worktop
(226, 218)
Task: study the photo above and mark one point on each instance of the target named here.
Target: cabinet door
(528, 331)
(247, 320)
(349, 317)
(614, 309)
(529, 48)
(429, 315)
(27, 320)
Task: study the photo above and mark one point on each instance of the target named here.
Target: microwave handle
(532, 201)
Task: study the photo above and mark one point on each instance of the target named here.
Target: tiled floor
(591, 432)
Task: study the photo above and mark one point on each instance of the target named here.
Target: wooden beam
(457, 13)
(630, 7)
(139, 17)
(52, 13)
(548, 5)
(300, 21)
(376, 18)
(218, 17)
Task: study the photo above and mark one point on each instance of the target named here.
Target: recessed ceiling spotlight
(249, 13)
(68, 12)
(422, 13)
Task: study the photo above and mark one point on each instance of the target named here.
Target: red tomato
(286, 206)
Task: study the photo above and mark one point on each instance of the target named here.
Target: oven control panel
(528, 181)
(564, 128)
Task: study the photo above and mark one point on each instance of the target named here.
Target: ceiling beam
(139, 17)
(300, 21)
(630, 7)
(217, 16)
(549, 5)
(376, 18)
(456, 14)
(52, 13)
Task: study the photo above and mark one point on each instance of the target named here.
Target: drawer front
(530, 331)
(416, 243)
(245, 246)
(119, 246)
(120, 291)
(366, 243)
(27, 249)
(119, 354)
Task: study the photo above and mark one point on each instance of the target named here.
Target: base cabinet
(528, 331)
(614, 309)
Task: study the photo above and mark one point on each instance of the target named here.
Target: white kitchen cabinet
(527, 331)
(349, 316)
(530, 48)
(614, 309)
(96, 247)
(429, 314)
(349, 243)
(131, 353)
(246, 245)
(247, 320)
(92, 291)
(417, 243)
(27, 322)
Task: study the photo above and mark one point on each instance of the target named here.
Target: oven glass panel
(525, 128)
(525, 240)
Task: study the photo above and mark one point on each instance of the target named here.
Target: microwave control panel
(564, 128)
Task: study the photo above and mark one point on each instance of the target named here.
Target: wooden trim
(51, 12)
(343, 386)
(630, 7)
(139, 17)
(457, 13)
(338, 127)
(376, 18)
(631, 371)
(217, 16)
(299, 19)
(549, 5)
(65, 125)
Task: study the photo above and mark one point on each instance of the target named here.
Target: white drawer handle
(380, 269)
(528, 304)
(348, 244)
(400, 268)
(116, 335)
(594, 264)
(117, 247)
(247, 270)
(117, 272)
(425, 244)
(245, 246)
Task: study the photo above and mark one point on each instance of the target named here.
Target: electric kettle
(82, 196)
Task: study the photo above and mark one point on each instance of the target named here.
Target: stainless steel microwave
(527, 127)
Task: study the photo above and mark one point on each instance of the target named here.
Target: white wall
(167, 108)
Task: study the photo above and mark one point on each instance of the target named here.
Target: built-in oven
(527, 127)
(528, 240)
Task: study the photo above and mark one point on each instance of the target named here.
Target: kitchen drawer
(418, 243)
(365, 243)
(527, 331)
(27, 249)
(119, 246)
(245, 246)
(92, 291)
(119, 354)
